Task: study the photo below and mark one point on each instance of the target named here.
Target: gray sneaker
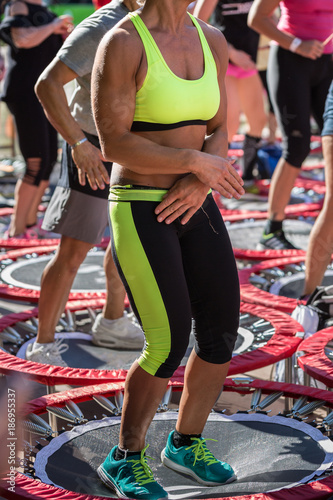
(123, 333)
(48, 354)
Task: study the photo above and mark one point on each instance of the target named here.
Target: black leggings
(298, 88)
(37, 139)
(173, 273)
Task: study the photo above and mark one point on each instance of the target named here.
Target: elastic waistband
(136, 193)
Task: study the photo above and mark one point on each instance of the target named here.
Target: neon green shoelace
(201, 452)
(141, 469)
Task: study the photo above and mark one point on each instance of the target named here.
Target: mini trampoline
(265, 337)
(21, 271)
(276, 283)
(292, 458)
(315, 356)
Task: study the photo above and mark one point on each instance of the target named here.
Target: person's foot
(131, 477)
(275, 241)
(197, 461)
(47, 354)
(122, 333)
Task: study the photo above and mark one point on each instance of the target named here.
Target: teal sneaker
(131, 477)
(197, 461)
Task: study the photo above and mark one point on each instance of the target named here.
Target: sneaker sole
(184, 470)
(104, 477)
(260, 246)
(110, 484)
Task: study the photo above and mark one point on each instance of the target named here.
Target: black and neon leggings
(173, 273)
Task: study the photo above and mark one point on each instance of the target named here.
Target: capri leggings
(298, 88)
(173, 273)
(37, 139)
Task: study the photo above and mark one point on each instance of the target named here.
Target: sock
(38, 344)
(250, 156)
(272, 226)
(110, 322)
(180, 439)
(121, 454)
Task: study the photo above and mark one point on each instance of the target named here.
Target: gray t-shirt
(78, 53)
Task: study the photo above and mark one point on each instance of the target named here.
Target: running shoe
(197, 461)
(131, 477)
(275, 241)
(47, 354)
(123, 333)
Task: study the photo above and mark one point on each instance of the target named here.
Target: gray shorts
(76, 215)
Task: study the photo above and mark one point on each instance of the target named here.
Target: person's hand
(311, 49)
(185, 196)
(88, 160)
(241, 59)
(220, 175)
(63, 25)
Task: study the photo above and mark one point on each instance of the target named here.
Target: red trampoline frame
(253, 295)
(26, 295)
(282, 345)
(28, 488)
(314, 361)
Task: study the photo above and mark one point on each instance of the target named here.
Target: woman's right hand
(241, 59)
(63, 25)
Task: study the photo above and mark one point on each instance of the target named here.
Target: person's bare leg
(234, 110)
(320, 246)
(251, 98)
(203, 383)
(24, 196)
(139, 406)
(283, 181)
(33, 211)
(115, 291)
(56, 283)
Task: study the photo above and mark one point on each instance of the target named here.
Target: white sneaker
(123, 333)
(50, 354)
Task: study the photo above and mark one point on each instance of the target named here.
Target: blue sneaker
(131, 477)
(197, 461)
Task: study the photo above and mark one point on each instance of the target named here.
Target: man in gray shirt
(78, 209)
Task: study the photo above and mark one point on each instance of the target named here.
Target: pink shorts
(238, 72)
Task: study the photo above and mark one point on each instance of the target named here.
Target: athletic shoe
(131, 477)
(47, 354)
(123, 333)
(197, 461)
(275, 241)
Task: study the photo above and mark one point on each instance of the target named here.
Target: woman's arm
(261, 19)
(113, 102)
(32, 36)
(204, 9)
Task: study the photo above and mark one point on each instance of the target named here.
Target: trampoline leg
(52, 418)
(288, 380)
(307, 379)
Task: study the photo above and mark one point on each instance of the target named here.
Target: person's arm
(50, 91)
(32, 36)
(204, 9)
(113, 103)
(261, 19)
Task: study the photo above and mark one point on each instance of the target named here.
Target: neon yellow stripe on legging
(143, 286)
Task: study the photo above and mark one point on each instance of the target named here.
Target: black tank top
(231, 18)
(25, 65)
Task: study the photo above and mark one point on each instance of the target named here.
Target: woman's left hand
(185, 196)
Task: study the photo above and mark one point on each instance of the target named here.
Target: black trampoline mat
(27, 273)
(292, 286)
(265, 455)
(246, 235)
(82, 353)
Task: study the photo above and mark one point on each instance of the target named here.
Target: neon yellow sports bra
(166, 101)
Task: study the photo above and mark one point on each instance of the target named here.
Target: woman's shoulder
(18, 7)
(122, 37)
